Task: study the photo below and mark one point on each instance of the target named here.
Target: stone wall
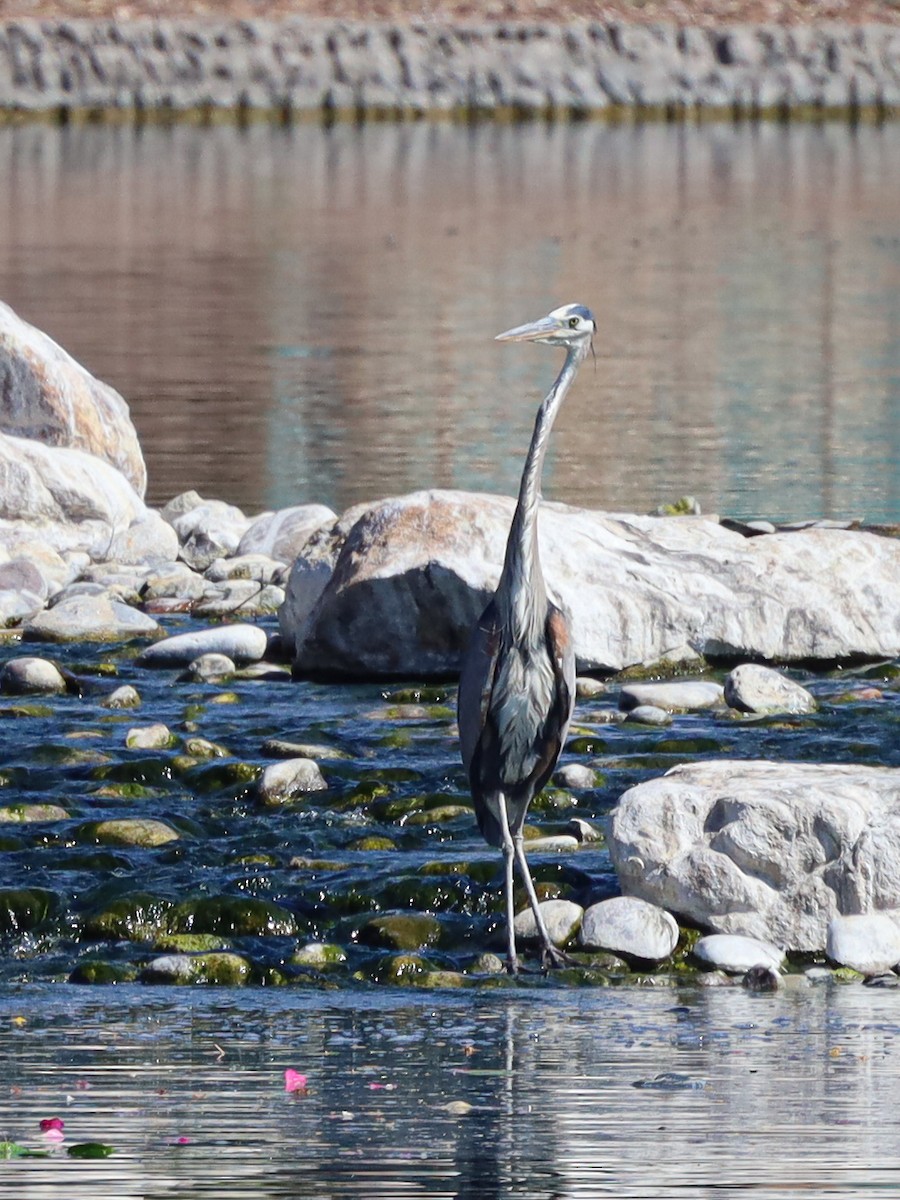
(318, 66)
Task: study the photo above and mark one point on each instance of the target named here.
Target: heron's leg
(552, 954)
(512, 961)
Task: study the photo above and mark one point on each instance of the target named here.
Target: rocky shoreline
(251, 828)
(316, 67)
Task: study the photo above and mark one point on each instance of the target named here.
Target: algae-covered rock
(318, 954)
(96, 971)
(201, 748)
(440, 816)
(150, 737)
(129, 831)
(442, 979)
(23, 910)
(487, 964)
(28, 813)
(373, 842)
(401, 931)
(221, 968)
(403, 969)
(134, 917)
(233, 916)
(191, 943)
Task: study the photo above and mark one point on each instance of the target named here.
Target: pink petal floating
(49, 1123)
(294, 1081)
(54, 1135)
(382, 1087)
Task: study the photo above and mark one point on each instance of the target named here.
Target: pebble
(752, 688)
(627, 925)
(587, 688)
(26, 675)
(90, 619)
(692, 695)
(545, 845)
(209, 667)
(149, 737)
(867, 942)
(649, 714)
(241, 643)
(292, 777)
(576, 775)
(125, 696)
(737, 954)
(562, 918)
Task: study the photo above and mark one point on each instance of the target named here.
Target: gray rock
(210, 530)
(690, 695)
(629, 926)
(49, 397)
(751, 688)
(557, 844)
(89, 619)
(283, 534)
(18, 606)
(241, 643)
(149, 737)
(210, 667)
(867, 942)
(134, 831)
(562, 918)
(769, 850)
(394, 588)
(125, 696)
(21, 575)
(584, 831)
(23, 675)
(239, 597)
(576, 775)
(589, 689)
(29, 814)
(737, 954)
(257, 567)
(649, 714)
(291, 777)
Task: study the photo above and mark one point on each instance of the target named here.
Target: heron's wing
(552, 738)
(476, 681)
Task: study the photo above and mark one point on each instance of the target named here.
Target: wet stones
(240, 643)
(629, 926)
(561, 917)
(97, 618)
(282, 781)
(144, 832)
(27, 675)
(678, 696)
(752, 688)
(736, 955)
(867, 942)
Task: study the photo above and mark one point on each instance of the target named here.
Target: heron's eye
(574, 322)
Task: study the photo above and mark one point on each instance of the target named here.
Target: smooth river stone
(290, 777)
(89, 619)
(629, 926)
(736, 954)
(562, 918)
(134, 831)
(576, 775)
(691, 695)
(21, 676)
(241, 643)
(752, 688)
(867, 942)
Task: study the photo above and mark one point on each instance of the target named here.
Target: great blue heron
(517, 684)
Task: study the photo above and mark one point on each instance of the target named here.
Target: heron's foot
(552, 958)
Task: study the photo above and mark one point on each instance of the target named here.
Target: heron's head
(570, 325)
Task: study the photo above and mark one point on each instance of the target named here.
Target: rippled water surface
(784, 1096)
(306, 314)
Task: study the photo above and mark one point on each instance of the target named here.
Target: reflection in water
(300, 314)
(525, 1095)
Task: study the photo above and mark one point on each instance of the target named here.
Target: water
(783, 1096)
(306, 315)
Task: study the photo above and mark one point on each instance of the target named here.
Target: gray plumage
(517, 683)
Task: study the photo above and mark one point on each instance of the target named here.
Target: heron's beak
(529, 333)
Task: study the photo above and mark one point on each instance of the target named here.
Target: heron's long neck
(522, 582)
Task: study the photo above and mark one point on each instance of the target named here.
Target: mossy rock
(553, 799)
(232, 916)
(23, 910)
(135, 917)
(225, 698)
(481, 870)
(26, 710)
(426, 694)
(443, 979)
(96, 971)
(847, 975)
(373, 842)
(155, 771)
(318, 955)
(202, 748)
(400, 969)
(220, 968)
(141, 832)
(124, 791)
(28, 813)
(216, 775)
(441, 816)
(401, 931)
(191, 943)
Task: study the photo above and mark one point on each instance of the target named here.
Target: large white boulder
(770, 850)
(69, 500)
(45, 395)
(394, 587)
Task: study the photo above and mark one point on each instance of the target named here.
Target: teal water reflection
(776, 1096)
(306, 314)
